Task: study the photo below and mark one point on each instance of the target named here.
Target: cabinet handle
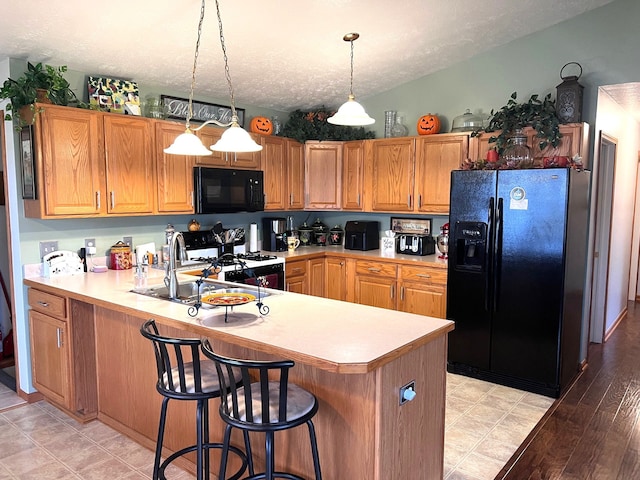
(409, 200)
(423, 275)
(98, 199)
(373, 269)
(402, 294)
(393, 291)
(59, 337)
(44, 304)
(358, 199)
(112, 196)
(296, 270)
(420, 201)
(192, 200)
(291, 198)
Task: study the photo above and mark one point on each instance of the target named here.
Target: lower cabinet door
(50, 357)
(376, 291)
(429, 300)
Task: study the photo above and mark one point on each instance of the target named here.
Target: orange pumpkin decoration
(261, 125)
(428, 124)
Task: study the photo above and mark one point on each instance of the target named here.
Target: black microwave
(224, 190)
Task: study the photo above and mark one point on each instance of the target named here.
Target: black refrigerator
(516, 272)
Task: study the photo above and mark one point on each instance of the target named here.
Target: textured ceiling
(283, 54)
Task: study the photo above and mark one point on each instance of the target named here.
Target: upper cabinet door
(392, 174)
(436, 157)
(129, 153)
(295, 174)
(275, 172)
(70, 158)
(353, 175)
(323, 175)
(246, 160)
(174, 172)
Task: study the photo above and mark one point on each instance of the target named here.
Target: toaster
(362, 235)
(414, 244)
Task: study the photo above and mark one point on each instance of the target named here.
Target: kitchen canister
(120, 255)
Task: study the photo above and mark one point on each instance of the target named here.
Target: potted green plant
(535, 113)
(40, 83)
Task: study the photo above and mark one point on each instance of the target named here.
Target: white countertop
(332, 335)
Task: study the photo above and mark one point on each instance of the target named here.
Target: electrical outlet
(89, 242)
(48, 247)
(128, 241)
(407, 392)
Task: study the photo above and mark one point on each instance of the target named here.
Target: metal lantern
(569, 97)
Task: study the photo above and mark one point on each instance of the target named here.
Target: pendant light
(235, 138)
(351, 113)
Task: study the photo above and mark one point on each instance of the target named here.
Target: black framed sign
(202, 111)
(421, 226)
(27, 157)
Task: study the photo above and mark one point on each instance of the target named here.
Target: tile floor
(485, 423)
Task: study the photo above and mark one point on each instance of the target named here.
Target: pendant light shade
(235, 139)
(351, 113)
(188, 144)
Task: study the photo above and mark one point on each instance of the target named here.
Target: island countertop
(331, 335)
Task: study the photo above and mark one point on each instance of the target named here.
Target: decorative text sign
(202, 111)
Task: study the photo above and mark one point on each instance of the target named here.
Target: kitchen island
(354, 358)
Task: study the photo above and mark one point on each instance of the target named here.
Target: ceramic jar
(336, 235)
(305, 233)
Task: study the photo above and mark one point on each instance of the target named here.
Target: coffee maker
(274, 234)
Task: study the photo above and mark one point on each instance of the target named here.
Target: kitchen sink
(188, 291)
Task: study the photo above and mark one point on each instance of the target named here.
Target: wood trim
(615, 325)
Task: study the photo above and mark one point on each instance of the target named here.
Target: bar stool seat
(257, 396)
(182, 376)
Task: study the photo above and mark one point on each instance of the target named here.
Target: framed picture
(114, 95)
(27, 157)
(179, 108)
(421, 226)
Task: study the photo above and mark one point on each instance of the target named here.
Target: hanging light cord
(195, 63)
(234, 115)
(351, 84)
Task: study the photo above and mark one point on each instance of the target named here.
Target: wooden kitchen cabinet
(353, 175)
(316, 274)
(274, 164)
(295, 174)
(296, 276)
(129, 150)
(392, 171)
(336, 278)
(323, 175)
(69, 164)
(62, 357)
(575, 140)
(174, 188)
(375, 284)
(423, 290)
(436, 157)
(242, 160)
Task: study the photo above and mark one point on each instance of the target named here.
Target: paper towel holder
(253, 238)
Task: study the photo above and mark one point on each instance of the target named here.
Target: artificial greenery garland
(313, 125)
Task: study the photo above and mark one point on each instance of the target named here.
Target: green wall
(604, 41)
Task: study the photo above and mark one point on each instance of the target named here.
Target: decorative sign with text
(202, 111)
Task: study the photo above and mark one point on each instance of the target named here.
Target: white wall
(614, 121)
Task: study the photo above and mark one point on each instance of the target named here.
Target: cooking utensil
(218, 230)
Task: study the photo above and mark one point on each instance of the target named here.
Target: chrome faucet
(170, 278)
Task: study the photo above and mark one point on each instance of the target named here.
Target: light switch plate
(48, 247)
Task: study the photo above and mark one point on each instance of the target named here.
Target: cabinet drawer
(296, 268)
(47, 303)
(364, 267)
(427, 275)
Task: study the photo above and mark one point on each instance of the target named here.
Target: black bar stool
(251, 402)
(182, 376)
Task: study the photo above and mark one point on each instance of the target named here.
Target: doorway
(605, 188)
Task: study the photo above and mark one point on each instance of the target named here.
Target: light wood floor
(593, 432)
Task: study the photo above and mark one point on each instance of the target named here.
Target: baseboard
(621, 317)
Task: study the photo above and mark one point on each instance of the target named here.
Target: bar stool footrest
(207, 446)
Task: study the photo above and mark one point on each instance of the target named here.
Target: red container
(121, 256)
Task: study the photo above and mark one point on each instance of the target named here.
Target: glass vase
(399, 129)
(517, 154)
(389, 121)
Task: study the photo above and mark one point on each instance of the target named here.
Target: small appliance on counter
(274, 236)
(362, 235)
(415, 244)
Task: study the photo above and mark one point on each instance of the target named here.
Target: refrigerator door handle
(497, 254)
(489, 254)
